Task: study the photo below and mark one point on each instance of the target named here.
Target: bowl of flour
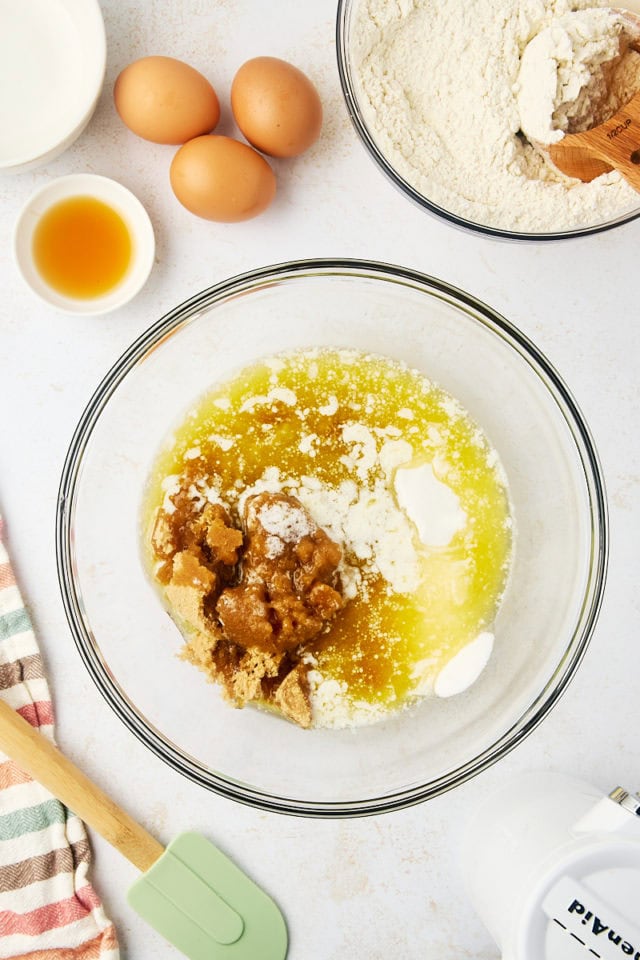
(435, 90)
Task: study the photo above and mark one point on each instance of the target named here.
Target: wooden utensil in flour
(190, 892)
(614, 144)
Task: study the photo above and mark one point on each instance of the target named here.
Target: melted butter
(377, 641)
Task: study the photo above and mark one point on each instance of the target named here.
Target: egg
(222, 179)
(165, 100)
(276, 106)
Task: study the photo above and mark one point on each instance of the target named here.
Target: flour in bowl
(577, 73)
(438, 88)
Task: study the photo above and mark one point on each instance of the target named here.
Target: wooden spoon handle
(614, 144)
(41, 760)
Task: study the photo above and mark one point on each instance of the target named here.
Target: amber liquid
(82, 247)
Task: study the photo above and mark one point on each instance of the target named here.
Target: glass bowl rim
(497, 233)
(171, 322)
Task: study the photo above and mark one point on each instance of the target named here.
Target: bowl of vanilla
(332, 537)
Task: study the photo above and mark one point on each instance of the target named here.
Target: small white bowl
(52, 63)
(119, 199)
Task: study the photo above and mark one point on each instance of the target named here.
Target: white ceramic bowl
(52, 63)
(120, 199)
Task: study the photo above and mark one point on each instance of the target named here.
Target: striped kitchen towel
(48, 908)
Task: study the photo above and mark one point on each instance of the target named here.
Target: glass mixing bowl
(353, 95)
(128, 642)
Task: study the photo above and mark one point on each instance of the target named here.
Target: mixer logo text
(595, 925)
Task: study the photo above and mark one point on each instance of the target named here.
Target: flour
(171, 487)
(575, 74)
(438, 83)
(285, 524)
(333, 708)
(277, 395)
(361, 513)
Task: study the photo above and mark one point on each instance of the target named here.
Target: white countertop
(384, 886)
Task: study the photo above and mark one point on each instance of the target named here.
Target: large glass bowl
(353, 97)
(130, 645)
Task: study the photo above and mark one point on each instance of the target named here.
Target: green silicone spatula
(190, 892)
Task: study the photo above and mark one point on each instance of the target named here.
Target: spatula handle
(615, 143)
(41, 760)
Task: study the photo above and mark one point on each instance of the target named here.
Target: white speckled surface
(378, 887)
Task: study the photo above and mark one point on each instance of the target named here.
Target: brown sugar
(249, 599)
(292, 697)
(223, 541)
(276, 605)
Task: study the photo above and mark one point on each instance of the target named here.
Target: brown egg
(222, 179)
(276, 106)
(165, 100)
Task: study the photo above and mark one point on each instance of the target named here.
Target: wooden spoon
(614, 144)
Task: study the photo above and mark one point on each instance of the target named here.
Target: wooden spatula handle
(615, 143)
(44, 762)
